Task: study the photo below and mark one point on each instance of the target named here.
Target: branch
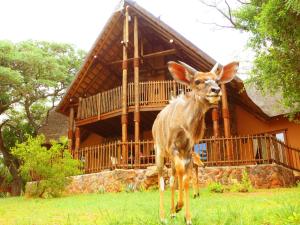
(217, 25)
(29, 116)
(227, 15)
(3, 123)
(243, 3)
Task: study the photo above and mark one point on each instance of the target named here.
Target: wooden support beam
(124, 116)
(226, 121)
(71, 130)
(136, 92)
(216, 134)
(225, 111)
(215, 119)
(148, 56)
(77, 142)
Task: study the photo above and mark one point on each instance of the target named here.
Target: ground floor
(234, 151)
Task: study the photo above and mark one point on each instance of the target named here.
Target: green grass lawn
(277, 206)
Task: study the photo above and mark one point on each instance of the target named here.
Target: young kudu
(181, 124)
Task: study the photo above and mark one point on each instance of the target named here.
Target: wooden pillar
(124, 116)
(225, 111)
(226, 121)
(77, 142)
(215, 119)
(70, 130)
(216, 134)
(136, 92)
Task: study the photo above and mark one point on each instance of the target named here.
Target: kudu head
(205, 85)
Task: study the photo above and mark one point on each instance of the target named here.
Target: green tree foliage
(33, 78)
(48, 167)
(275, 29)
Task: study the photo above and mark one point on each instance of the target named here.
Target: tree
(33, 77)
(275, 38)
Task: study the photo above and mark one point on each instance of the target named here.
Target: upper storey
(158, 44)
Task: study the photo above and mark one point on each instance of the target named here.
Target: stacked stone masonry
(261, 176)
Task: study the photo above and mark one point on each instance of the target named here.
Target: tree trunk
(12, 166)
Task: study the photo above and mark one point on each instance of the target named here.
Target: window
(280, 136)
(201, 149)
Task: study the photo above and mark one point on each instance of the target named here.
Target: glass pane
(280, 136)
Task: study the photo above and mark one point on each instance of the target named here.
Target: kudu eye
(197, 82)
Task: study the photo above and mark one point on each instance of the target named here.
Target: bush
(130, 188)
(101, 190)
(244, 186)
(48, 167)
(5, 177)
(216, 187)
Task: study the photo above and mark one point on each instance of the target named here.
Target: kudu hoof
(187, 222)
(196, 195)
(163, 221)
(173, 215)
(178, 207)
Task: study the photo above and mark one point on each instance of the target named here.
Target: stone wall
(261, 176)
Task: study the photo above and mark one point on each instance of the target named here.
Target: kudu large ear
(181, 72)
(228, 72)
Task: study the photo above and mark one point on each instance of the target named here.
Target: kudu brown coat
(181, 124)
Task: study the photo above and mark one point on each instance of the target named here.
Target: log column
(216, 134)
(124, 116)
(77, 142)
(215, 119)
(225, 111)
(136, 92)
(70, 130)
(226, 121)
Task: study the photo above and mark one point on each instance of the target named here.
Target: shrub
(5, 177)
(130, 188)
(48, 167)
(101, 190)
(244, 186)
(216, 187)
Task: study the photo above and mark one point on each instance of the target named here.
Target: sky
(79, 22)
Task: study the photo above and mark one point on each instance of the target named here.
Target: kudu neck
(199, 102)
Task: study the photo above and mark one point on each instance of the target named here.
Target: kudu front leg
(196, 183)
(186, 180)
(179, 167)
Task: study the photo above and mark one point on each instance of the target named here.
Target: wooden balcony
(234, 151)
(153, 95)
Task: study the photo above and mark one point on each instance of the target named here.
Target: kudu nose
(215, 90)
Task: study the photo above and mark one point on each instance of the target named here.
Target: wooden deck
(153, 96)
(234, 151)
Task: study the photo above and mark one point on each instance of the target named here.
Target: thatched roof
(55, 126)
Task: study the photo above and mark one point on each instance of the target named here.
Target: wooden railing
(248, 150)
(111, 155)
(152, 93)
(213, 152)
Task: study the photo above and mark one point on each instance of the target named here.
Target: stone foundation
(261, 176)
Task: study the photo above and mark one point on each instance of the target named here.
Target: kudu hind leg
(161, 183)
(172, 187)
